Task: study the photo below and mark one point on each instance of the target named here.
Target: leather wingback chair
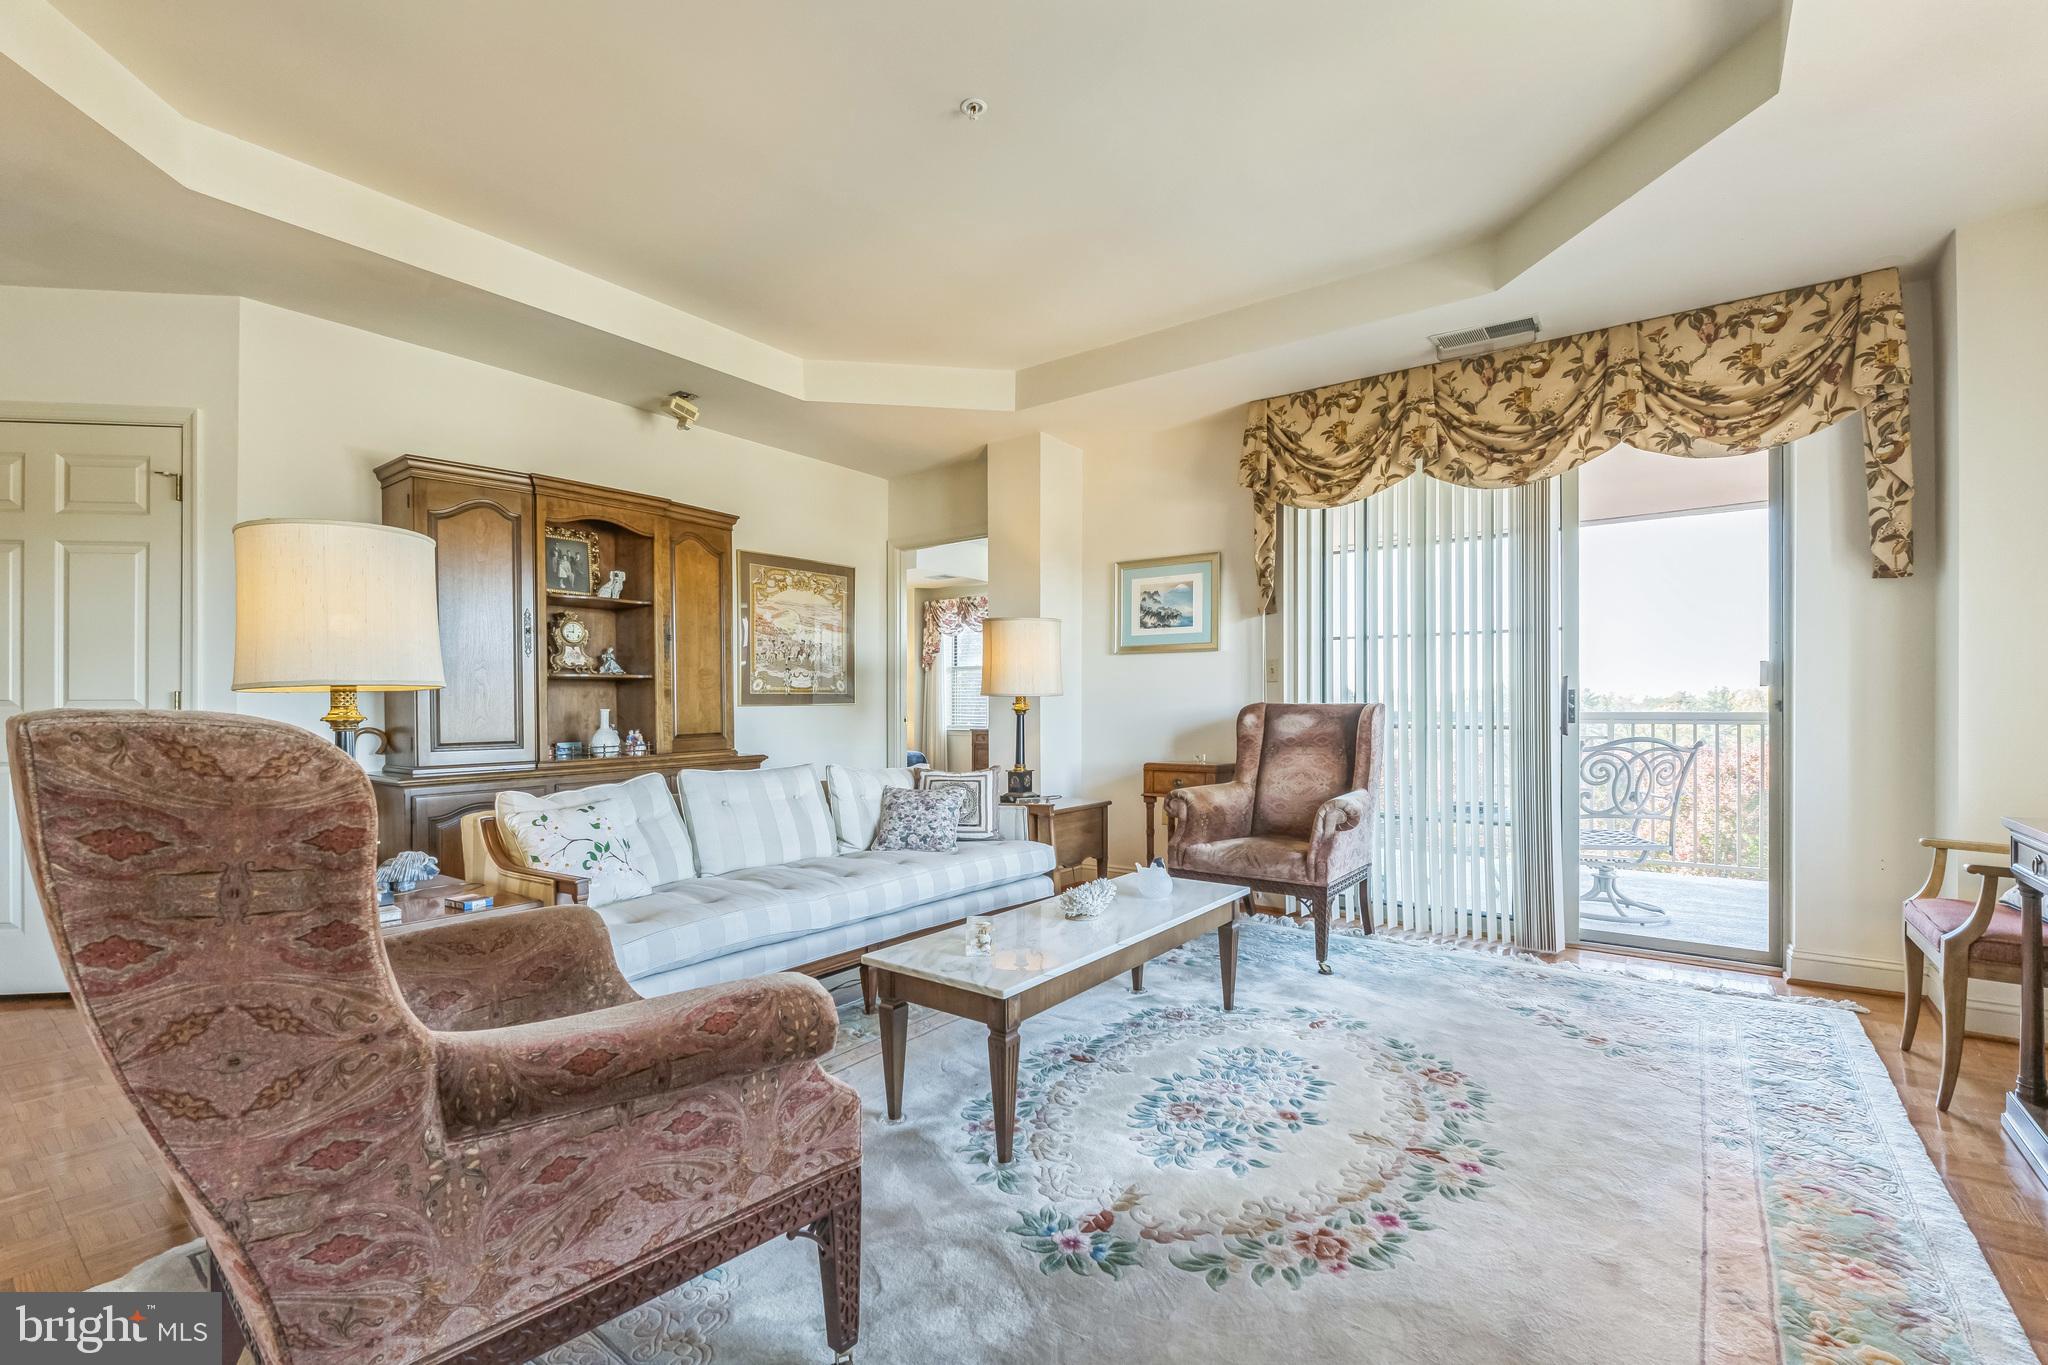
(1297, 817)
(528, 1151)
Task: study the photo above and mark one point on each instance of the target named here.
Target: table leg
(2032, 1088)
(1226, 950)
(895, 1033)
(1002, 1080)
(1102, 846)
(1149, 800)
(1138, 978)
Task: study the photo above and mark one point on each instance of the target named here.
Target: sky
(1674, 603)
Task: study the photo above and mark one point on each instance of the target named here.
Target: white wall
(1165, 493)
(293, 413)
(324, 404)
(949, 502)
(1989, 661)
(86, 348)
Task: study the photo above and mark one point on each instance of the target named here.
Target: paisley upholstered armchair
(1297, 818)
(527, 1151)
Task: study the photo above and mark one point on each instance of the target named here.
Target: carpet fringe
(1647, 975)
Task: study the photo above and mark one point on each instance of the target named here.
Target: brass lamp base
(346, 718)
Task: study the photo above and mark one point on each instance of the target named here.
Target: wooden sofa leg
(1916, 974)
(838, 1237)
(1955, 1006)
(1319, 908)
(867, 991)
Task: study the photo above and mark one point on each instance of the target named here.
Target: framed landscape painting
(1166, 605)
(796, 631)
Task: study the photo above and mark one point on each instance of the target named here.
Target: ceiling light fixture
(973, 108)
(683, 407)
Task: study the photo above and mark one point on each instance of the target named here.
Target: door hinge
(177, 483)
(177, 700)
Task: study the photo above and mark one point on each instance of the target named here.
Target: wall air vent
(1479, 340)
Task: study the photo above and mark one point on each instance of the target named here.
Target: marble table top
(1035, 943)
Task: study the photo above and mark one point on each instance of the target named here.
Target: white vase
(604, 740)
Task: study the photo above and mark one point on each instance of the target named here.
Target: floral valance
(945, 616)
(1735, 377)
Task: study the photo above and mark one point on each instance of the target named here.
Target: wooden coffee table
(1039, 958)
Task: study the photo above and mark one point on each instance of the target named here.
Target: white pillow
(641, 808)
(754, 819)
(586, 840)
(856, 797)
(978, 797)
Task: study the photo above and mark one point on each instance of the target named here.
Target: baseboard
(1886, 977)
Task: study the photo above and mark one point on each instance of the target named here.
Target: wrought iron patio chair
(1629, 790)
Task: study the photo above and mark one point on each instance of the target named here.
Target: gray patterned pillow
(922, 821)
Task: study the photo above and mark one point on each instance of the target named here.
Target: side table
(1161, 778)
(2025, 1120)
(1077, 829)
(427, 904)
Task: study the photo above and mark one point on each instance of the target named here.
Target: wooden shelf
(600, 677)
(596, 603)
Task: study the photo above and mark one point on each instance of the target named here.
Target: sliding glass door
(1671, 774)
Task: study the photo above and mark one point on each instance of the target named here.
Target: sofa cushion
(856, 799)
(586, 838)
(1264, 857)
(927, 819)
(977, 790)
(754, 819)
(712, 916)
(640, 808)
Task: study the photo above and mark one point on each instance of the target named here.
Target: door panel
(699, 606)
(481, 548)
(90, 604)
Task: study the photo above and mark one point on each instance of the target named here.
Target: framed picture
(1166, 605)
(570, 561)
(796, 631)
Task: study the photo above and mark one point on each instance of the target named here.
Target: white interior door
(90, 592)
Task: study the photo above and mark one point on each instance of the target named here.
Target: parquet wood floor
(82, 1197)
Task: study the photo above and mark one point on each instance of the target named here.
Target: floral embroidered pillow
(919, 820)
(578, 841)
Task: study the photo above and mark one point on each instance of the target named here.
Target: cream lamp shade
(1020, 656)
(335, 606)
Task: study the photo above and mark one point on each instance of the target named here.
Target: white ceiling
(1168, 211)
(800, 171)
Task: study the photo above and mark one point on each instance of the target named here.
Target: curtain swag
(945, 616)
(1723, 380)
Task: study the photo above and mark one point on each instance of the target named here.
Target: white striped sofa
(729, 902)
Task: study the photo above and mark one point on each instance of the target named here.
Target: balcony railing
(1723, 827)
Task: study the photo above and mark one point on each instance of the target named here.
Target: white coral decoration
(1088, 900)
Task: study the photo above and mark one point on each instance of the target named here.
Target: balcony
(1713, 881)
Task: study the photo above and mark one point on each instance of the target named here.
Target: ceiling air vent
(1480, 340)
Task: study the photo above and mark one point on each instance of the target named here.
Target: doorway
(941, 600)
(91, 610)
(1674, 630)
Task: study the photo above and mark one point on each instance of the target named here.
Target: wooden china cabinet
(494, 726)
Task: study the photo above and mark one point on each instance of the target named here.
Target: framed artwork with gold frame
(796, 631)
(1165, 605)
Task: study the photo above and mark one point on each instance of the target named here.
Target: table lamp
(335, 606)
(1020, 657)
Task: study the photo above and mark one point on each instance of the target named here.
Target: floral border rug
(1431, 1156)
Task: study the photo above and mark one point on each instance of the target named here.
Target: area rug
(1431, 1156)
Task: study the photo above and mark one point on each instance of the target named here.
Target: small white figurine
(608, 662)
(614, 584)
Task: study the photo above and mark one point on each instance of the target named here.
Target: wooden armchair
(475, 1160)
(1968, 939)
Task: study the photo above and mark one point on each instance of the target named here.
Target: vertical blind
(1430, 598)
